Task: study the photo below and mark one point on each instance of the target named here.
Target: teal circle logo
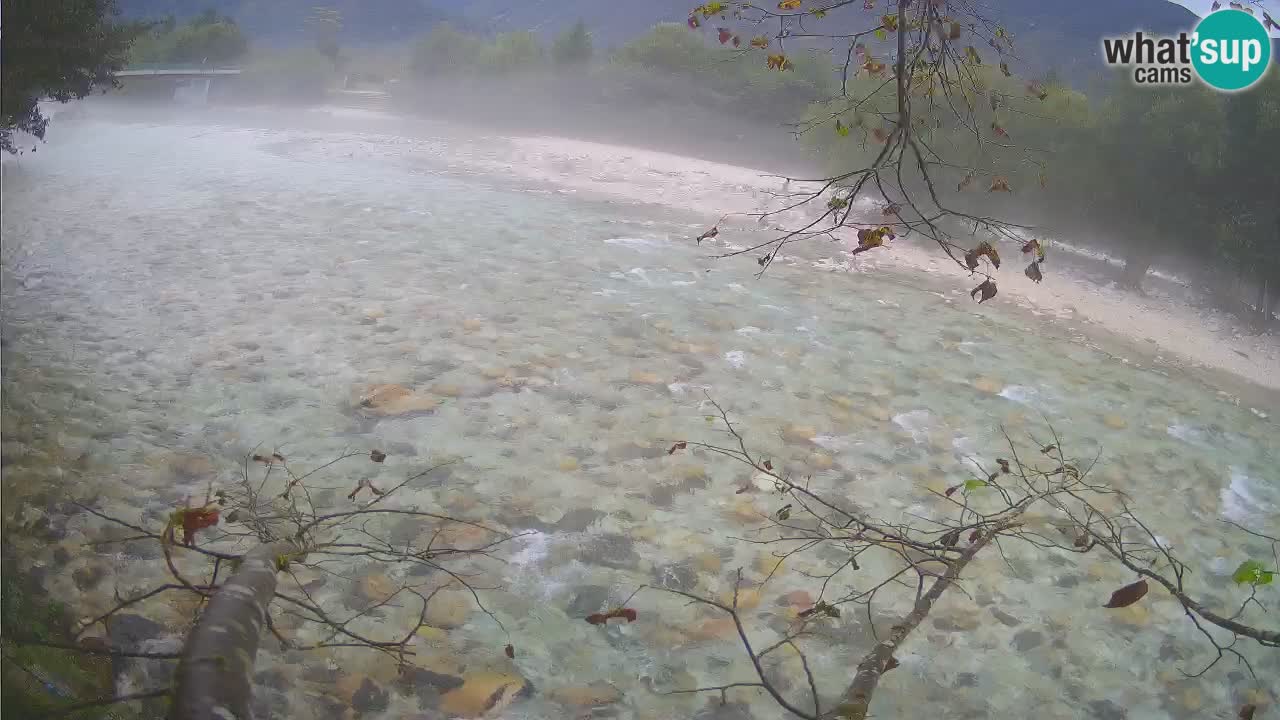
(1230, 50)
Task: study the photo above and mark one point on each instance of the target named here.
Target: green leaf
(1252, 572)
(974, 484)
(881, 34)
(841, 129)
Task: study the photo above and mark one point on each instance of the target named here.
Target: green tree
(573, 47)
(511, 52)
(58, 49)
(207, 40)
(325, 24)
(443, 50)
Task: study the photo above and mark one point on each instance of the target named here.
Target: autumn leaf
(999, 183)
(768, 465)
(869, 238)
(984, 249)
(779, 62)
(192, 520)
(1004, 465)
(694, 22)
(999, 131)
(510, 651)
(789, 5)
(954, 34)
(709, 234)
(377, 456)
(737, 41)
(1033, 271)
(988, 290)
(678, 446)
(951, 490)
(951, 538)
(841, 129)
(711, 8)
(1127, 595)
(760, 42)
(621, 613)
(890, 22)
(724, 35)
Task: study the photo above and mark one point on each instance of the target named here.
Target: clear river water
(204, 286)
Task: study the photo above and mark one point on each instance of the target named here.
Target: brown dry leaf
(1033, 271)
(987, 289)
(678, 446)
(377, 456)
(1247, 711)
(1000, 183)
(1127, 595)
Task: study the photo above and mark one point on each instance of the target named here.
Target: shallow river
(213, 287)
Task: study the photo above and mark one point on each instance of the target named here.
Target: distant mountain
(1064, 35)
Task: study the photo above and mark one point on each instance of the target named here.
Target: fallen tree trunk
(215, 675)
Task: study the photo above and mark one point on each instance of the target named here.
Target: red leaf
(724, 35)
(737, 41)
(195, 519)
(510, 651)
(1004, 465)
(1127, 595)
(678, 446)
(627, 613)
(597, 618)
(951, 490)
(768, 464)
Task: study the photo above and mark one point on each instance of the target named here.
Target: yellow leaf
(760, 42)
(789, 5)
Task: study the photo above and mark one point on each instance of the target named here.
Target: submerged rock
(485, 693)
(611, 550)
(392, 400)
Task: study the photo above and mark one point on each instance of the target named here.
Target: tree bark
(857, 697)
(215, 675)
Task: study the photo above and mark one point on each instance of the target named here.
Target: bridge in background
(192, 82)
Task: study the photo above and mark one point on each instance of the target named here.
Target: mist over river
(204, 283)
